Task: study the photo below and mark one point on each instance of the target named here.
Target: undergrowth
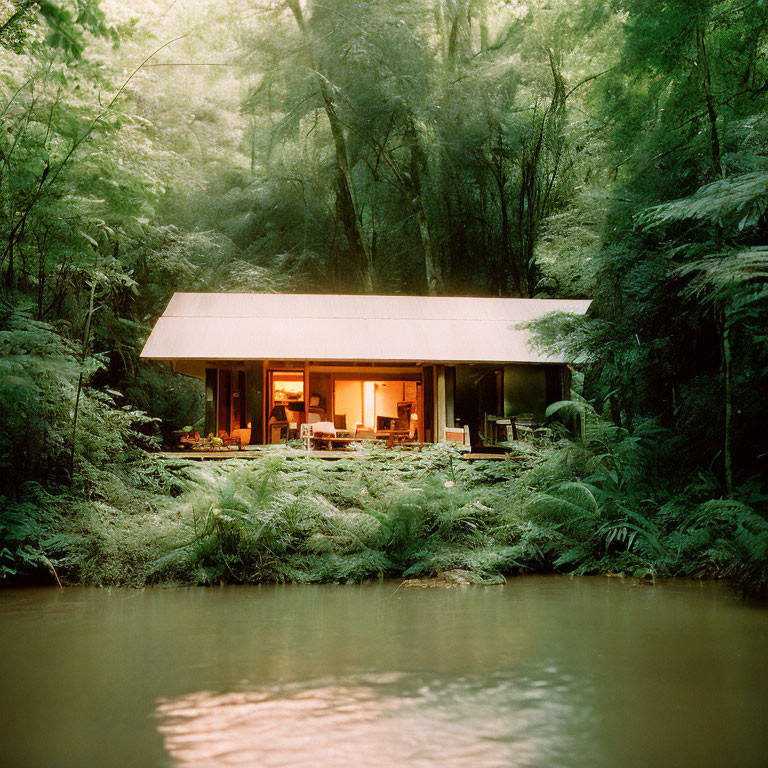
(587, 507)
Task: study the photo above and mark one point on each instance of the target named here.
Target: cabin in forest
(272, 362)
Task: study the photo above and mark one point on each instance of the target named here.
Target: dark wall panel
(211, 397)
(255, 399)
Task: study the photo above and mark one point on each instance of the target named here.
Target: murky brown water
(546, 671)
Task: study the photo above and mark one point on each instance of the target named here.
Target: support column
(450, 395)
(420, 409)
(428, 407)
(211, 400)
(440, 404)
(267, 402)
(306, 391)
(255, 400)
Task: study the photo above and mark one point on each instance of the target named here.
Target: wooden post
(254, 382)
(450, 396)
(420, 408)
(428, 407)
(267, 403)
(211, 401)
(306, 391)
(440, 409)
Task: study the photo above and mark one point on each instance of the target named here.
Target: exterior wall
(531, 388)
(211, 400)
(476, 394)
(525, 390)
(450, 396)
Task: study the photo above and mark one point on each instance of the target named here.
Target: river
(545, 671)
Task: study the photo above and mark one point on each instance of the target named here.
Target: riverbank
(592, 507)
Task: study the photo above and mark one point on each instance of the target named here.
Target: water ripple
(371, 722)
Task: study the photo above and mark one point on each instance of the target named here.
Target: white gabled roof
(270, 326)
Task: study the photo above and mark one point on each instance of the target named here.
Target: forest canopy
(607, 149)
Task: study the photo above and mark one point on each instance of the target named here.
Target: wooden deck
(294, 453)
(256, 454)
(491, 456)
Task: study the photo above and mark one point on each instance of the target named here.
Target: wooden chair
(243, 436)
(322, 432)
(305, 433)
(385, 423)
(454, 435)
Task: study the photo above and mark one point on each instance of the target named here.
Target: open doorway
(376, 406)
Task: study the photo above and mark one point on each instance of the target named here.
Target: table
(317, 441)
(393, 436)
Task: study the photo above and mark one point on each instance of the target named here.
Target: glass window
(287, 387)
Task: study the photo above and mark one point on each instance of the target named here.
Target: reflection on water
(374, 721)
(545, 672)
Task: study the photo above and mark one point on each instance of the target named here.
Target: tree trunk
(702, 61)
(40, 284)
(431, 260)
(9, 270)
(345, 205)
(83, 355)
(433, 267)
(536, 182)
(527, 214)
(508, 254)
(728, 404)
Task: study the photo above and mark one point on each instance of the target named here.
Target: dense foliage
(613, 149)
(579, 508)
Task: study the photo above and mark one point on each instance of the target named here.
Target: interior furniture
(404, 411)
(392, 436)
(228, 440)
(322, 433)
(243, 436)
(456, 435)
(278, 431)
(189, 439)
(305, 433)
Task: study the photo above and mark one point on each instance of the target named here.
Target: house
(270, 361)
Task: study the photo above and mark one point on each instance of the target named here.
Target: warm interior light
(414, 417)
(287, 386)
(369, 404)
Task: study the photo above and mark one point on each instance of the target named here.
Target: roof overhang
(391, 329)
